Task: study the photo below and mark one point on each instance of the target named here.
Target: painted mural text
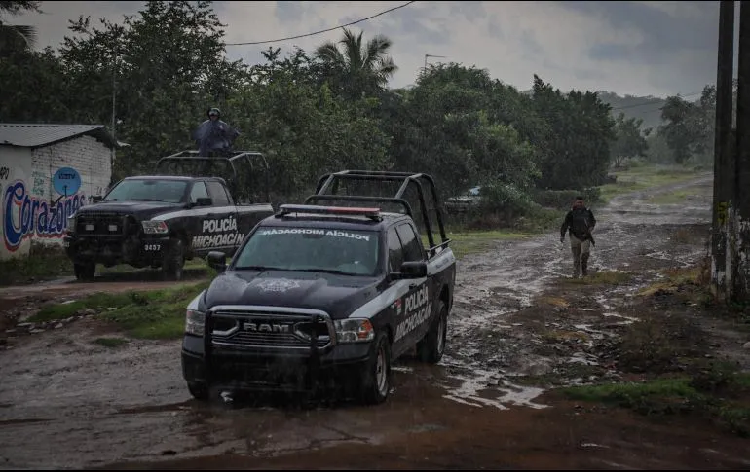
(4, 172)
(26, 215)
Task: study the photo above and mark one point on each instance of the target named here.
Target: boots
(584, 262)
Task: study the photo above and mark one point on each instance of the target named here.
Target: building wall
(32, 210)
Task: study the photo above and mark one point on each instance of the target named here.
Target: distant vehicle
(162, 220)
(464, 202)
(319, 293)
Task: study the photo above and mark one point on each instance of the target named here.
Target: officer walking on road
(580, 222)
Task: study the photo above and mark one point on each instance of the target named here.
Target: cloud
(639, 48)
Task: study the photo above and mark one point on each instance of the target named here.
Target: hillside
(645, 108)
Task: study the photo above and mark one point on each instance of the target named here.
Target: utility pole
(740, 226)
(114, 107)
(722, 153)
(425, 59)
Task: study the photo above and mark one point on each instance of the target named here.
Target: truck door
(412, 308)
(418, 304)
(219, 226)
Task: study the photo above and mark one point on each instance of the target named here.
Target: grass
(111, 342)
(673, 281)
(158, 314)
(726, 406)
(472, 242)
(42, 263)
(645, 176)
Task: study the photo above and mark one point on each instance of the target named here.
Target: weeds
(156, 314)
(602, 278)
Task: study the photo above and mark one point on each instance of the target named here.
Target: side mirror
(412, 270)
(203, 202)
(97, 199)
(217, 260)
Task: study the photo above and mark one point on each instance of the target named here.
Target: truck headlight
(71, 224)
(195, 322)
(155, 227)
(354, 330)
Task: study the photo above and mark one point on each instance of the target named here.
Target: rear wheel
(431, 348)
(375, 384)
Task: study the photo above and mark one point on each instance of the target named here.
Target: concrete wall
(32, 210)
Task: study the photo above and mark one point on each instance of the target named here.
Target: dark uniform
(579, 221)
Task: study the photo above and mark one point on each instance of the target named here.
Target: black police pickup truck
(319, 293)
(159, 221)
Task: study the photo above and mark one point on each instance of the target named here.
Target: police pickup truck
(320, 293)
(158, 221)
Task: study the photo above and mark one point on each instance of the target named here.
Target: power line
(322, 31)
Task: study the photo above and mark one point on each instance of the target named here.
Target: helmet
(213, 110)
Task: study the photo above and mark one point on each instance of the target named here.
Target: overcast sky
(638, 48)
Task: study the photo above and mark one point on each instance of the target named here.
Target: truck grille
(240, 328)
(100, 224)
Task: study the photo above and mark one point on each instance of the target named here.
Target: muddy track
(68, 403)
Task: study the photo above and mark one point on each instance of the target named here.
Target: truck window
(198, 191)
(413, 251)
(395, 251)
(218, 193)
(311, 250)
(166, 190)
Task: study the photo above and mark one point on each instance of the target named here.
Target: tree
(166, 65)
(359, 69)
(576, 140)
(689, 126)
(39, 89)
(629, 141)
(15, 38)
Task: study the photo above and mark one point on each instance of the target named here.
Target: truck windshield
(148, 189)
(312, 250)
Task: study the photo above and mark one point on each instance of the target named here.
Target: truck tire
(84, 271)
(174, 260)
(199, 390)
(375, 383)
(431, 348)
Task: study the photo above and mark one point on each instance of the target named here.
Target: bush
(560, 199)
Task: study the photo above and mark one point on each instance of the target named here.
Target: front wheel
(375, 384)
(84, 271)
(175, 260)
(199, 390)
(431, 348)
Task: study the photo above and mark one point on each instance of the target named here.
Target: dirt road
(68, 403)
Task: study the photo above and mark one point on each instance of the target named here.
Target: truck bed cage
(233, 159)
(236, 156)
(419, 180)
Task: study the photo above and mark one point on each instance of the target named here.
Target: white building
(46, 173)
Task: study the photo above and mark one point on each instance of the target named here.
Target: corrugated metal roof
(24, 135)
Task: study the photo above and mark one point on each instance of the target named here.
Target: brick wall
(85, 154)
(31, 207)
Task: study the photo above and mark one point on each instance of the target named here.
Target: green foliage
(17, 38)
(331, 109)
(689, 126)
(577, 140)
(630, 140)
(158, 314)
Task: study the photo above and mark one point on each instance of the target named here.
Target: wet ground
(68, 403)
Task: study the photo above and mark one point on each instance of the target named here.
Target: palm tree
(17, 37)
(361, 70)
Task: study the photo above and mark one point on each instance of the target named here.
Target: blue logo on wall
(67, 181)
